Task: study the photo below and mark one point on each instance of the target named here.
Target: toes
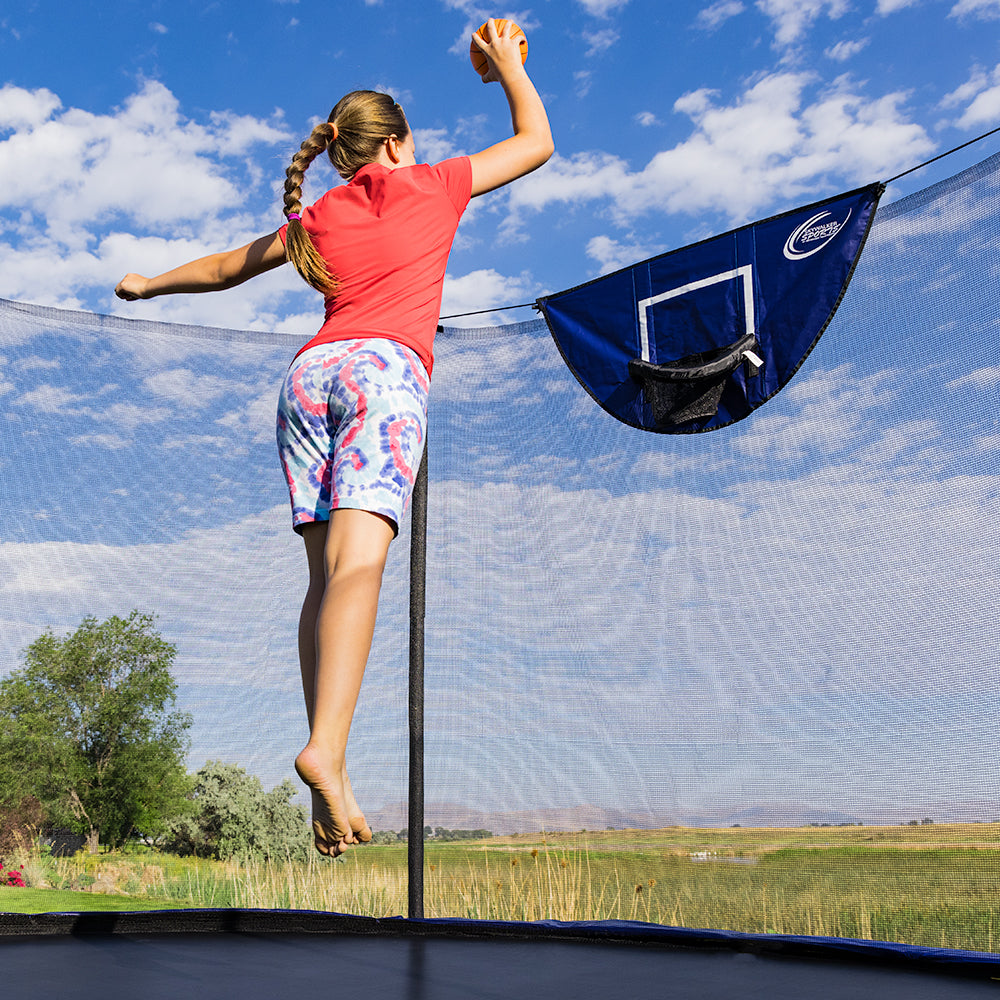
(329, 842)
(321, 840)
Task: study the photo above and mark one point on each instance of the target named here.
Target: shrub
(20, 823)
(231, 816)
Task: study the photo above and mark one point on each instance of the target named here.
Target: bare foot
(359, 825)
(330, 822)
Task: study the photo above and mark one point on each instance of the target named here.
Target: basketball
(479, 62)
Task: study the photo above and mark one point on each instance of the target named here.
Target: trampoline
(261, 955)
(789, 624)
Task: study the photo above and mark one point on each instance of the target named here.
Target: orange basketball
(479, 62)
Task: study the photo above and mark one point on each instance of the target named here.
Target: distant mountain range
(784, 814)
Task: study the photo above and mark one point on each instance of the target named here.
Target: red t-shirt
(386, 236)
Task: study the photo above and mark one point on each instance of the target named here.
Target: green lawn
(67, 901)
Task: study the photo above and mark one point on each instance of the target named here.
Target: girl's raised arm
(208, 274)
(531, 144)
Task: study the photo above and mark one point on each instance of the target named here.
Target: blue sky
(137, 137)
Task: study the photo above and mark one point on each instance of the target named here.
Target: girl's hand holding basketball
(498, 50)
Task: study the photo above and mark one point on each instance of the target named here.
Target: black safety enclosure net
(738, 685)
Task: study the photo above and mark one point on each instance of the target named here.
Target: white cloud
(711, 17)
(34, 364)
(113, 442)
(145, 162)
(792, 18)
(186, 583)
(600, 41)
(984, 10)
(578, 178)
(611, 254)
(26, 109)
(982, 92)
(984, 110)
(127, 416)
(159, 29)
(484, 289)
(827, 415)
(121, 415)
(601, 8)
(842, 51)
(978, 81)
(199, 443)
(657, 465)
(192, 391)
(980, 379)
(508, 369)
(769, 144)
(646, 119)
(885, 7)
(53, 399)
(256, 410)
(433, 144)
(47, 274)
(798, 541)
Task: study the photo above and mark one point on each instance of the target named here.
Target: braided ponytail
(352, 136)
(299, 246)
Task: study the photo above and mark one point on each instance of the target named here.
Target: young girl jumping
(353, 408)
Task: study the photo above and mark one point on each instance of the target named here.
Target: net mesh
(743, 679)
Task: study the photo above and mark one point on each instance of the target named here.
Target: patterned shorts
(351, 423)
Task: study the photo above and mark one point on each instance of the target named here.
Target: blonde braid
(299, 246)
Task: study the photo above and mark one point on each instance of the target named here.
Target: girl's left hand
(501, 50)
(132, 287)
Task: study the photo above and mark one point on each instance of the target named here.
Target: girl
(352, 412)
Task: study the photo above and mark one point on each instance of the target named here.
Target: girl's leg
(314, 536)
(346, 559)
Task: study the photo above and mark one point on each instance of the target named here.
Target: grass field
(933, 885)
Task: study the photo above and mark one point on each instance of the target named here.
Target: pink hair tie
(293, 215)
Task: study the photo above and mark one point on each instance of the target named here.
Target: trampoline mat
(251, 966)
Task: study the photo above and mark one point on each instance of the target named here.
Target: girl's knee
(357, 542)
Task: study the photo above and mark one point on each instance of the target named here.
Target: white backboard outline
(745, 272)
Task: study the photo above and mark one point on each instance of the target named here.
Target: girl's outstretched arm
(531, 144)
(208, 274)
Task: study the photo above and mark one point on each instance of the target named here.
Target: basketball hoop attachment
(690, 388)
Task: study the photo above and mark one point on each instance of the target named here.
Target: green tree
(88, 727)
(231, 816)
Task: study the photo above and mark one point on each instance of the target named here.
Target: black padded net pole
(418, 571)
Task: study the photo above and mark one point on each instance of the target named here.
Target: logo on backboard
(813, 235)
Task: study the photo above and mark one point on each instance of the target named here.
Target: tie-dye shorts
(351, 422)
